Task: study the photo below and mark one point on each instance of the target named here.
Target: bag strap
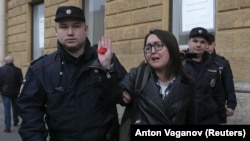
(141, 79)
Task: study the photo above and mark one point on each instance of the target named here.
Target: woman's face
(156, 53)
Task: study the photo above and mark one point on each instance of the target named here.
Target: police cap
(199, 32)
(69, 11)
(211, 38)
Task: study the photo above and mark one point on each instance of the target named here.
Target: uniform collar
(88, 53)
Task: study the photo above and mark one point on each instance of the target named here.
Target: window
(192, 13)
(94, 13)
(38, 30)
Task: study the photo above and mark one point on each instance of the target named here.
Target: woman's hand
(104, 51)
(126, 97)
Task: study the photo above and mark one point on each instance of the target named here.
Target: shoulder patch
(32, 62)
(222, 57)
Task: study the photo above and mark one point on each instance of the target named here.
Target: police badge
(212, 83)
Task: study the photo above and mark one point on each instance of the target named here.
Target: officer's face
(71, 33)
(210, 47)
(197, 45)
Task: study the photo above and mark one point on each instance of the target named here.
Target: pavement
(13, 135)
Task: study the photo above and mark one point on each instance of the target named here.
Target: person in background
(11, 78)
(168, 95)
(203, 69)
(226, 78)
(68, 95)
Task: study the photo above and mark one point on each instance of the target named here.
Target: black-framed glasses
(157, 46)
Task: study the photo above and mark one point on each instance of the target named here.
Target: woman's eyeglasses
(157, 46)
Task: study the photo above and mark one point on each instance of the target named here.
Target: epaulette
(32, 62)
(222, 57)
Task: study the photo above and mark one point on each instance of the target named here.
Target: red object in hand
(102, 50)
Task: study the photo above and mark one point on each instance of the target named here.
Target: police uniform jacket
(73, 95)
(226, 76)
(209, 103)
(177, 108)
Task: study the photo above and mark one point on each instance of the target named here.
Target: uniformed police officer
(206, 75)
(226, 78)
(72, 87)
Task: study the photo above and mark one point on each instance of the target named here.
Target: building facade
(127, 22)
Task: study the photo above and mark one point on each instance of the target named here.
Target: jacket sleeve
(110, 81)
(1, 73)
(192, 115)
(20, 78)
(128, 82)
(227, 80)
(219, 98)
(31, 103)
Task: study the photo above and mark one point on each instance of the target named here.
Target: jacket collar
(10, 64)
(88, 53)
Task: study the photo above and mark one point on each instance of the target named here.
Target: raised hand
(105, 51)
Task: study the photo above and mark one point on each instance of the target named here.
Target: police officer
(204, 71)
(68, 93)
(226, 78)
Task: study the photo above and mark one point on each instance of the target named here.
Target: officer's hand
(229, 112)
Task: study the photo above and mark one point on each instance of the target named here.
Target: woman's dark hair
(174, 66)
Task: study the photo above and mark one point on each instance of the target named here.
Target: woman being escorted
(168, 94)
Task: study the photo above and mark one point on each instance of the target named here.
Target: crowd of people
(72, 93)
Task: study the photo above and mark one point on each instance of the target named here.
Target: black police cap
(69, 11)
(211, 38)
(199, 32)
